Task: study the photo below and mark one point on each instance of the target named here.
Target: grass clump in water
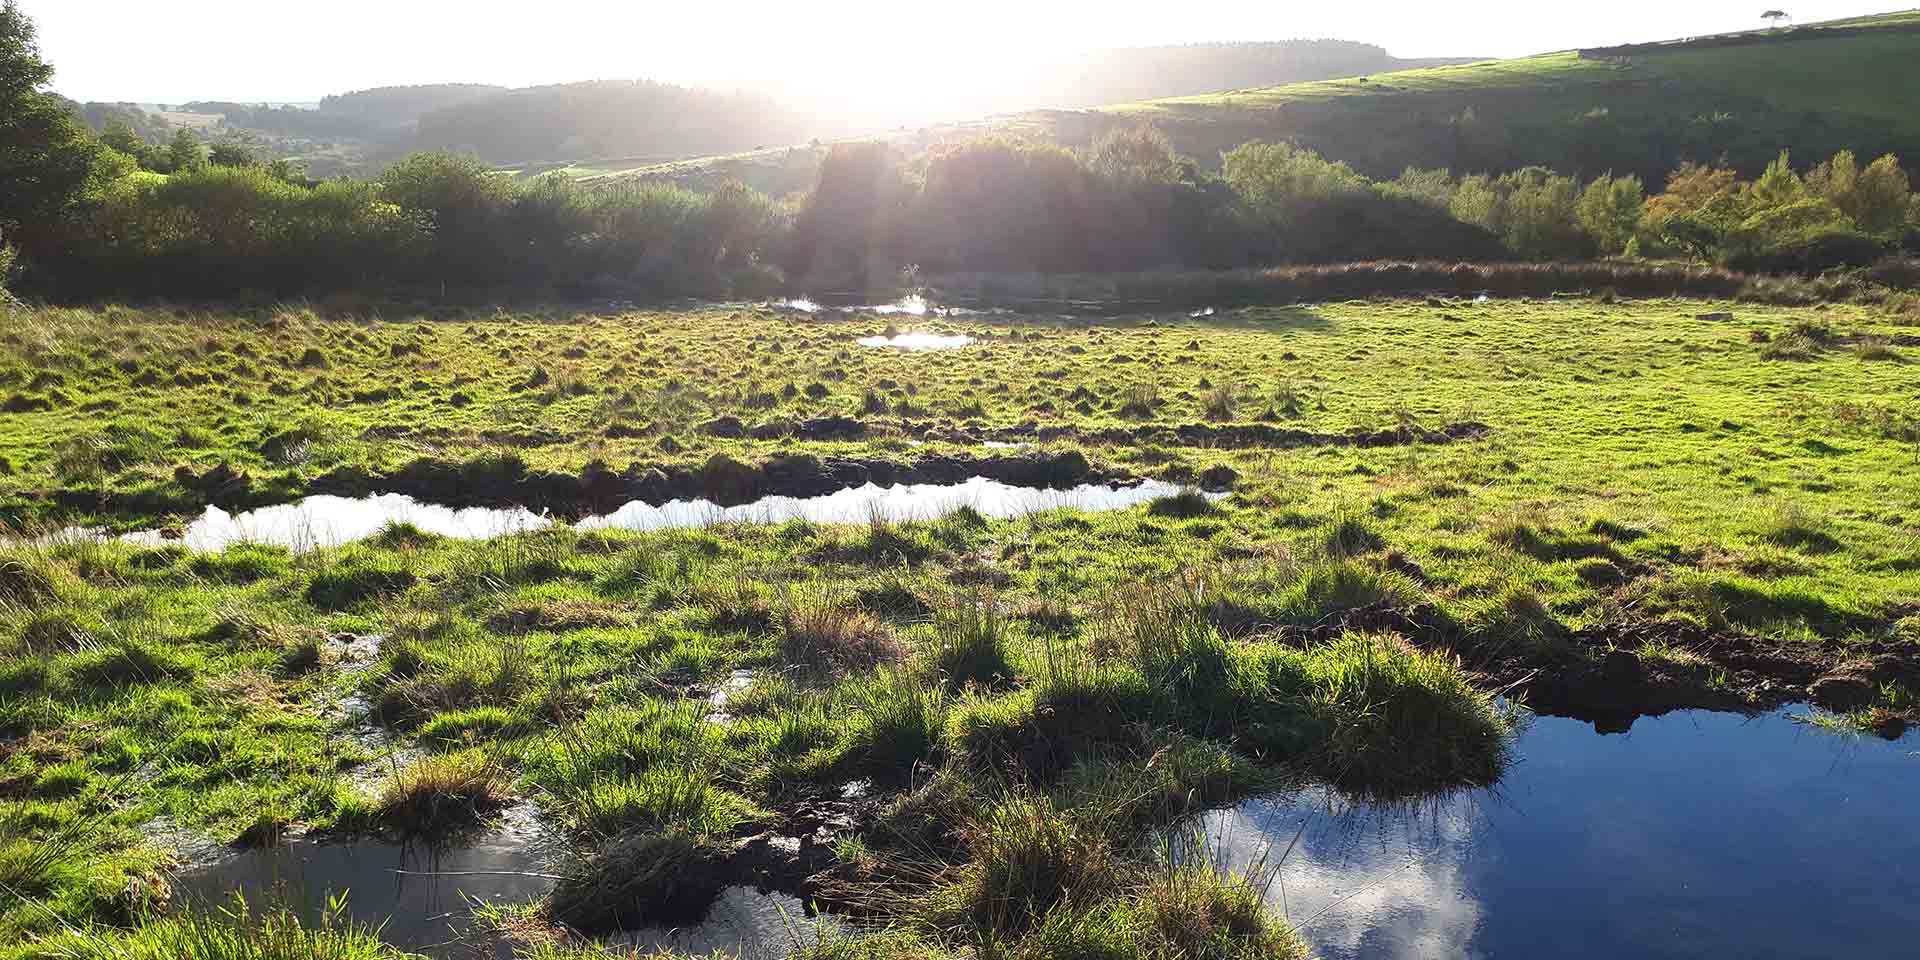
(437, 795)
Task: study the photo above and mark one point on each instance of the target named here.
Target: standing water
(1695, 835)
(320, 522)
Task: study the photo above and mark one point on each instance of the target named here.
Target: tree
(119, 135)
(1777, 187)
(185, 153)
(231, 155)
(1775, 16)
(1875, 199)
(1610, 210)
(47, 159)
(1138, 154)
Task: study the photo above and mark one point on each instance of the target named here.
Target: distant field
(1869, 76)
(196, 121)
(1741, 97)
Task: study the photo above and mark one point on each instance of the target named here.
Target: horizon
(861, 54)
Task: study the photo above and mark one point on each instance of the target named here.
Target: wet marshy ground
(1694, 834)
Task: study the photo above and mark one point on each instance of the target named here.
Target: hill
(607, 118)
(1643, 108)
(1068, 81)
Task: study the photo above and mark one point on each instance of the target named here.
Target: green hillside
(1815, 89)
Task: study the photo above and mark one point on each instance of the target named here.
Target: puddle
(743, 923)
(909, 306)
(1694, 835)
(326, 521)
(1006, 445)
(735, 684)
(895, 504)
(914, 306)
(422, 899)
(918, 341)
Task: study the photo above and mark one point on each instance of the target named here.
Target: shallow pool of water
(1694, 835)
(324, 521)
(904, 502)
(918, 341)
(421, 899)
(318, 522)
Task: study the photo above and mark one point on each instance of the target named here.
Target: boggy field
(1402, 519)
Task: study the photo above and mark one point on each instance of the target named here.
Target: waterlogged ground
(959, 728)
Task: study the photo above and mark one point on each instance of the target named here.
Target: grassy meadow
(1432, 502)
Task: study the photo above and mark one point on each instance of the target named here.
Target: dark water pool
(1693, 835)
(423, 900)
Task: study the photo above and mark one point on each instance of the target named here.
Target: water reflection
(918, 501)
(325, 521)
(918, 341)
(1695, 835)
(421, 899)
(743, 923)
(319, 522)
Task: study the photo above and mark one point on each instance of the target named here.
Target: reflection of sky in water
(421, 899)
(918, 341)
(1696, 835)
(918, 501)
(331, 521)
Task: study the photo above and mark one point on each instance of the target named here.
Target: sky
(253, 51)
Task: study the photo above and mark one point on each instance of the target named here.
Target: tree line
(95, 216)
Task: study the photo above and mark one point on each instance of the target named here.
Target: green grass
(985, 674)
(1854, 75)
(236, 934)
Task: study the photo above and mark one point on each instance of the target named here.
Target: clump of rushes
(437, 795)
(903, 724)
(1184, 505)
(820, 630)
(1140, 401)
(1195, 912)
(1026, 858)
(1397, 721)
(1218, 403)
(970, 643)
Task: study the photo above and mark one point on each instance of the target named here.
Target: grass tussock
(824, 630)
(437, 795)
